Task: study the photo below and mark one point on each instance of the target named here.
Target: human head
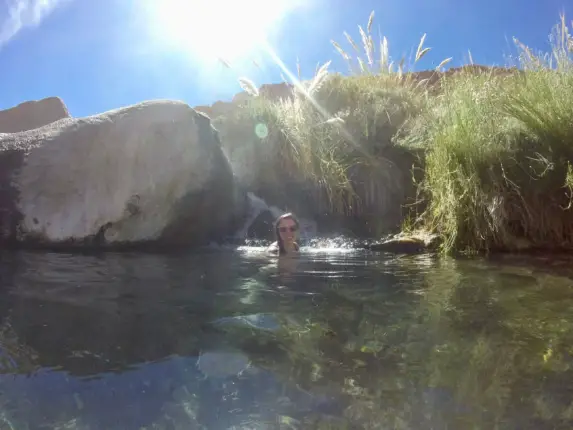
(286, 229)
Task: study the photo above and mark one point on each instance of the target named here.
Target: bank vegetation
(479, 155)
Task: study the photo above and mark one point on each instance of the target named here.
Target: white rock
(141, 171)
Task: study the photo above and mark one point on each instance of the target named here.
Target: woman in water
(286, 231)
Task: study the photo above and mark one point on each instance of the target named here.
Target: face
(288, 230)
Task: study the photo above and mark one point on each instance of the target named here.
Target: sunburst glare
(210, 30)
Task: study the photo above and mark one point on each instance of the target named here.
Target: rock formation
(32, 114)
(269, 91)
(408, 243)
(152, 172)
(284, 90)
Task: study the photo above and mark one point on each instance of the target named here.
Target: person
(286, 232)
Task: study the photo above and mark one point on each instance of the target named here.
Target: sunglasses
(292, 229)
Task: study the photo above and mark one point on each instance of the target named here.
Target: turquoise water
(336, 339)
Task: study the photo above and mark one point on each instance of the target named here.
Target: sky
(99, 55)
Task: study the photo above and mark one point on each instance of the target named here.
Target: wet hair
(277, 232)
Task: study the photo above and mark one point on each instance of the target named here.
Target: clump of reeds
(336, 131)
(498, 151)
(496, 145)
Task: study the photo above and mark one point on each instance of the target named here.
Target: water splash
(309, 239)
(338, 244)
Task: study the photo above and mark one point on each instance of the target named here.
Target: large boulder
(32, 114)
(153, 172)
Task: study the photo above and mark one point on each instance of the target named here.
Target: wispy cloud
(18, 14)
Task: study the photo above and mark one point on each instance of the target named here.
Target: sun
(212, 29)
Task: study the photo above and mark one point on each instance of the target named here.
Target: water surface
(336, 339)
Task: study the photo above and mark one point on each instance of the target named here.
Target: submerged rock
(407, 244)
(259, 321)
(151, 172)
(222, 364)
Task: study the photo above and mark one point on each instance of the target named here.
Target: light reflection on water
(234, 339)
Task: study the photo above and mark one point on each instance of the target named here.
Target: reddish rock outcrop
(433, 76)
(32, 114)
(269, 91)
(284, 90)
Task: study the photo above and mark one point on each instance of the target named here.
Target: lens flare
(214, 29)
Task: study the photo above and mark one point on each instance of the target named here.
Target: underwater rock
(407, 244)
(150, 172)
(260, 321)
(222, 364)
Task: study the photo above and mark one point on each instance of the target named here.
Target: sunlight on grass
(334, 135)
(480, 155)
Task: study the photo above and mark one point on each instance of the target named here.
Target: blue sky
(102, 54)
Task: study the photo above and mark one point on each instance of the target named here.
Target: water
(336, 339)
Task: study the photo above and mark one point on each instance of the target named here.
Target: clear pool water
(335, 339)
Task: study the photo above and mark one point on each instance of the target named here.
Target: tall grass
(336, 132)
(498, 151)
(496, 146)
(373, 57)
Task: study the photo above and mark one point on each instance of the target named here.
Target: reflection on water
(331, 340)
